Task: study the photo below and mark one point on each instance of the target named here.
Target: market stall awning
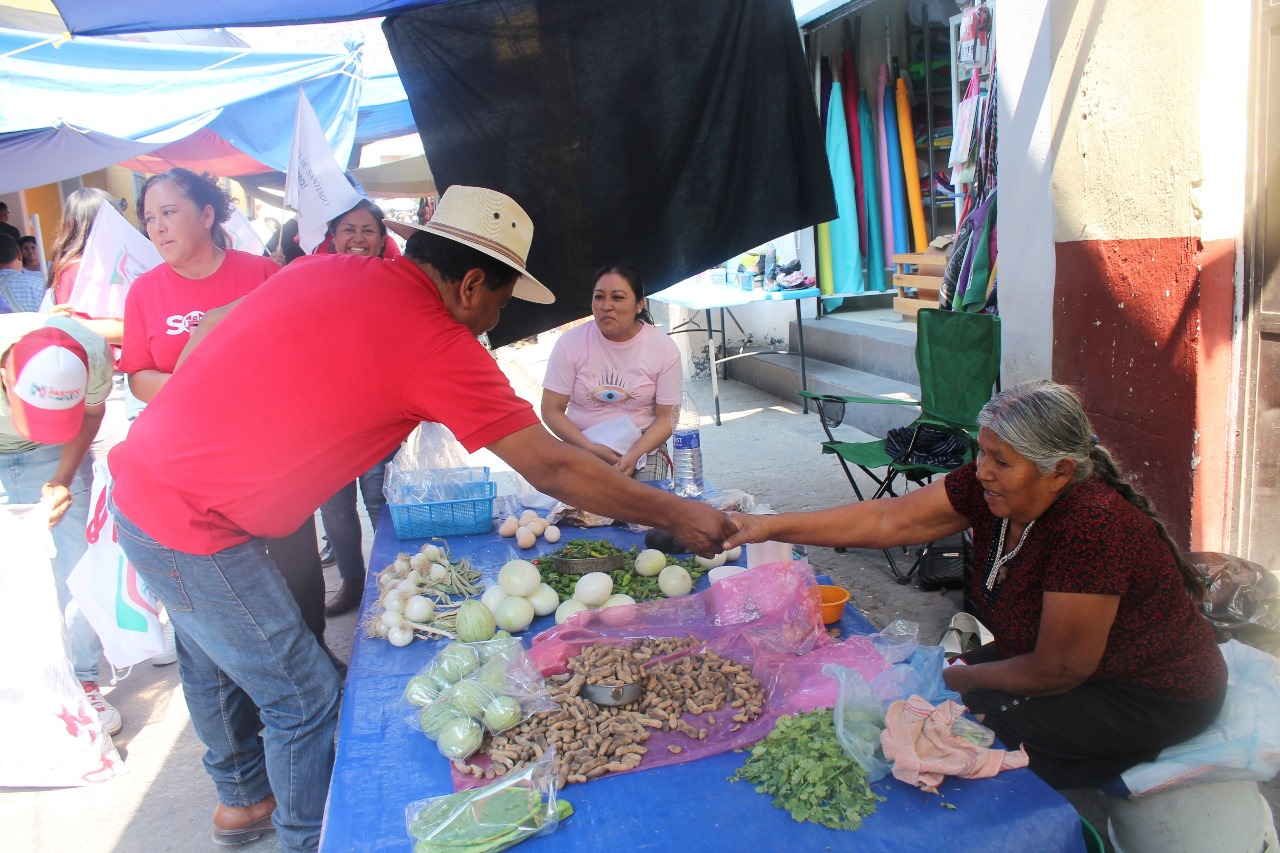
(96, 17)
(407, 178)
(127, 99)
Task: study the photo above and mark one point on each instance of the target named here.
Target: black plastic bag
(925, 445)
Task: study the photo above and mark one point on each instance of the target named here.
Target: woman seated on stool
(610, 385)
(1101, 656)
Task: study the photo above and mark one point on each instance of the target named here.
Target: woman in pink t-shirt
(183, 214)
(610, 385)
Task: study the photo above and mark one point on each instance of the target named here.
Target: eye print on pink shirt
(610, 389)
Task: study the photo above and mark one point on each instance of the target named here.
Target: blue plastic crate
(471, 511)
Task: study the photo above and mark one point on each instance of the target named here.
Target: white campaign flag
(244, 238)
(315, 186)
(115, 254)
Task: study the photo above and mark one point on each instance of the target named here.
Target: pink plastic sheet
(767, 618)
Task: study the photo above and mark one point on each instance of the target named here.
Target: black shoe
(346, 599)
(326, 555)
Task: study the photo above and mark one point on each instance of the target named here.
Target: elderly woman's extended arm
(920, 516)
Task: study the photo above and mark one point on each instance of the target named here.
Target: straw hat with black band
(489, 222)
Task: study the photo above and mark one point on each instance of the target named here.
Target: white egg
(733, 554)
(509, 527)
(551, 534)
(592, 589)
(538, 525)
(527, 516)
(526, 538)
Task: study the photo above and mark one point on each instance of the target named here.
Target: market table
(702, 296)
(382, 765)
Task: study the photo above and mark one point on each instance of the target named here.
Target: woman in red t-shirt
(183, 214)
(1101, 657)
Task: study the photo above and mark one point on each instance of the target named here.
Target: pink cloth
(882, 143)
(917, 738)
(604, 379)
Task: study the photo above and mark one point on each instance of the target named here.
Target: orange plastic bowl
(832, 600)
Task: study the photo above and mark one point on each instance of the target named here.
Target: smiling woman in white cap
(298, 389)
(56, 377)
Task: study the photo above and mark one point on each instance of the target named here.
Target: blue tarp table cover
(382, 765)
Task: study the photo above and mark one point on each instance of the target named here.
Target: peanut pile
(591, 740)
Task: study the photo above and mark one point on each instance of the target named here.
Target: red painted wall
(1142, 328)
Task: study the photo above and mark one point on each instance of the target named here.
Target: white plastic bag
(116, 601)
(50, 735)
(1243, 744)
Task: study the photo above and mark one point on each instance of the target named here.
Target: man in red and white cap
(56, 376)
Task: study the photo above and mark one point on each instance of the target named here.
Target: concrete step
(779, 374)
(871, 346)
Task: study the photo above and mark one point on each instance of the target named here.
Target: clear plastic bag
(414, 475)
(914, 670)
(473, 688)
(859, 721)
(492, 818)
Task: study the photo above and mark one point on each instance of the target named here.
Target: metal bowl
(589, 564)
(612, 694)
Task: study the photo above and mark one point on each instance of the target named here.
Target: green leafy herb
(803, 767)
(625, 579)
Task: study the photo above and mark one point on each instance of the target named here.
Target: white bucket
(1216, 817)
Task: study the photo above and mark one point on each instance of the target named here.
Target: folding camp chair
(958, 359)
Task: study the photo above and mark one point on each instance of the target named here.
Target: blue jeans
(342, 523)
(241, 643)
(21, 476)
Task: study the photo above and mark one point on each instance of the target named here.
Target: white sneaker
(170, 653)
(110, 718)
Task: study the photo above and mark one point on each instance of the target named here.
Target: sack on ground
(52, 736)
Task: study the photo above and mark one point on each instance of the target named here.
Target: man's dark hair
(3, 207)
(22, 241)
(453, 259)
(8, 250)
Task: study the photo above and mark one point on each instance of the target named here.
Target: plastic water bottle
(686, 441)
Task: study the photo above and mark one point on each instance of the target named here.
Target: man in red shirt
(305, 383)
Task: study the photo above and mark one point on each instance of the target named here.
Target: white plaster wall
(1026, 212)
(1219, 199)
(1126, 163)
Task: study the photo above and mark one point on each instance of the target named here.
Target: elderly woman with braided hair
(1101, 656)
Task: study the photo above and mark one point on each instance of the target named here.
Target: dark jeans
(342, 521)
(298, 559)
(1092, 733)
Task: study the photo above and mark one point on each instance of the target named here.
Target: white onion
(415, 576)
(674, 582)
(407, 587)
(391, 618)
(519, 577)
(419, 561)
(710, 562)
(733, 554)
(419, 608)
(433, 552)
(394, 601)
(649, 562)
(402, 563)
(439, 571)
(592, 589)
(380, 629)
(568, 608)
(545, 600)
(618, 599)
(387, 579)
(514, 614)
(400, 635)
(493, 597)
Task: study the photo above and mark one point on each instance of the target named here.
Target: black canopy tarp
(669, 133)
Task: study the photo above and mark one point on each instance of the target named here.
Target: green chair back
(958, 358)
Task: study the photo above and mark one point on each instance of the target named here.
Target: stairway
(863, 353)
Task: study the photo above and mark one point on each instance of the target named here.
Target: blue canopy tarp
(98, 102)
(94, 17)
